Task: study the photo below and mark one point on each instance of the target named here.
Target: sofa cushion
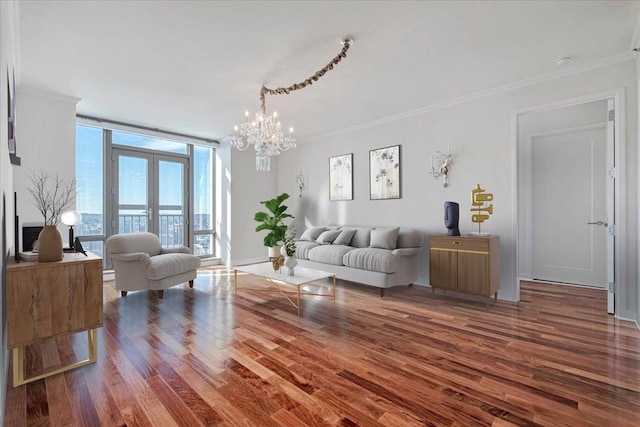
(327, 237)
(409, 238)
(303, 248)
(167, 265)
(311, 234)
(361, 238)
(345, 236)
(372, 259)
(329, 254)
(384, 238)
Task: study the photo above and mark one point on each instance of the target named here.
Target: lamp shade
(71, 218)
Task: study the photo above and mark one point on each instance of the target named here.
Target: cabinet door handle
(457, 242)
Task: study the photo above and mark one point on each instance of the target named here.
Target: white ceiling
(195, 66)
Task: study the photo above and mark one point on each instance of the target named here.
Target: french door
(150, 194)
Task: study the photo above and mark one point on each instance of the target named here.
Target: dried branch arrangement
(51, 198)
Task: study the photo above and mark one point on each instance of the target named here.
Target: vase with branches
(51, 196)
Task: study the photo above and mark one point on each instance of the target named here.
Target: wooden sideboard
(50, 299)
(466, 264)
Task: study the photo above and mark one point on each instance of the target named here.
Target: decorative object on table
(274, 223)
(442, 164)
(480, 203)
(384, 173)
(77, 246)
(265, 132)
(341, 177)
(451, 218)
(289, 249)
(300, 182)
(71, 218)
(51, 197)
(30, 232)
(277, 262)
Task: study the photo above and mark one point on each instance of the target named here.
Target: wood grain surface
(203, 356)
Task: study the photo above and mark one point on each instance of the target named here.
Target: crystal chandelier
(265, 131)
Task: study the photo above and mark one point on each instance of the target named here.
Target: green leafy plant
(273, 222)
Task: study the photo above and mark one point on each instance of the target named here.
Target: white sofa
(377, 256)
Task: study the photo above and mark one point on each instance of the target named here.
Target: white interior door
(569, 207)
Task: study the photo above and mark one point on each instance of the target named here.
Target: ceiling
(195, 66)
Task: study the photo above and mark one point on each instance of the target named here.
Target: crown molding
(49, 95)
(601, 63)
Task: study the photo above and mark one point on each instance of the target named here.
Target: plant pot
(274, 251)
(290, 262)
(50, 244)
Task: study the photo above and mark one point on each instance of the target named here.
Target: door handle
(598, 223)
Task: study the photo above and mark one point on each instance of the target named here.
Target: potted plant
(289, 251)
(273, 221)
(51, 199)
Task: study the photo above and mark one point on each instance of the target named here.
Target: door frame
(618, 97)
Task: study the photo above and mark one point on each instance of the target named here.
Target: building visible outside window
(202, 201)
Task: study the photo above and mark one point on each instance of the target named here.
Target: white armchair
(141, 263)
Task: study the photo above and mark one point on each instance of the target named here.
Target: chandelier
(265, 131)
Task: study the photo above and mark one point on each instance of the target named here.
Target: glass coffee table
(279, 280)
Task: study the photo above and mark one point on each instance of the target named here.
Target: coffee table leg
(334, 289)
(298, 301)
(235, 281)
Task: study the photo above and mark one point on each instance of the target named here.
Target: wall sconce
(300, 181)
(441, 164)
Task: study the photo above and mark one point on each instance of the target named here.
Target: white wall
(480, 134)
(47, 142)
(247, 188)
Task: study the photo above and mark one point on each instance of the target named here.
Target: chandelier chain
(346, 44)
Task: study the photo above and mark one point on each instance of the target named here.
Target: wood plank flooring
(209, 357)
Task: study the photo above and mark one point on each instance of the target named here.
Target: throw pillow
(327, 237)
(311, 234)
(384, 238)
(345, 236)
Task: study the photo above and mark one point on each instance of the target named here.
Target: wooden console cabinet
(466, 264)
(50, 299)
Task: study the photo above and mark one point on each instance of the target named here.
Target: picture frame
(385, 173)
(341, 177)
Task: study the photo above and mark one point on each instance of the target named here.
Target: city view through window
(133, 210)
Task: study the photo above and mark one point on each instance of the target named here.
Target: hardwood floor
(205, 356)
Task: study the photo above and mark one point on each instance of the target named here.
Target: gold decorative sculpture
(479, 204)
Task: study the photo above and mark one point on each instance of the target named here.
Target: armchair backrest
(145, 242)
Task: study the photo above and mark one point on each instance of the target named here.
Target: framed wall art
(384, 173)
(341, 177)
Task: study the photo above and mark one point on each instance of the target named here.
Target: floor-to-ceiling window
(132, 182)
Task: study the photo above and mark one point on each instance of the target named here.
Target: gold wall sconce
(300, 182)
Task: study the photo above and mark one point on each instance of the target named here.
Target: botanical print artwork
(341, 177)
(384, 173)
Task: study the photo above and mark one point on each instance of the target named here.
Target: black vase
(451, 217)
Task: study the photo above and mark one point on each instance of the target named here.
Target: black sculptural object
(451, 217)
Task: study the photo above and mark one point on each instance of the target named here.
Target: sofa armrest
(177, 250)
(132, 257)
(405, 252)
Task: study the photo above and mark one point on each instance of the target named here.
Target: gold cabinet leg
(18, 361)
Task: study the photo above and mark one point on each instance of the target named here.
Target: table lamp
(71, 218)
